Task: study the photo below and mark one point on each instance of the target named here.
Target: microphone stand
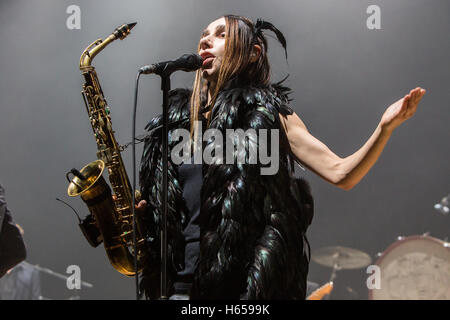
(165, 87)
(164, 70)
(56, 274)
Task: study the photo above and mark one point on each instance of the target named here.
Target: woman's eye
(222, 34)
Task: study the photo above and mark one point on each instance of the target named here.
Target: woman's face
(212, 48)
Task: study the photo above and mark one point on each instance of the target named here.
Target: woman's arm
(12, 246)
(347, 172)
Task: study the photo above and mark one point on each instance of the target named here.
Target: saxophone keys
(102, 134)
(101, 122)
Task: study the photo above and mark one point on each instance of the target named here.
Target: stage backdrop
(344, 74)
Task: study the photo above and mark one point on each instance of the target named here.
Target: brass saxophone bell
(101, 224)
(88, 182)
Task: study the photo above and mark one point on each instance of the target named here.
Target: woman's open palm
(402, 109)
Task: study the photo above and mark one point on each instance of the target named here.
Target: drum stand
(341, 258)
(335, 268)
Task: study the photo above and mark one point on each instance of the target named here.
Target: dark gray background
(343, 75)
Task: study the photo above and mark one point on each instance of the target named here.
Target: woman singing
(235, 232)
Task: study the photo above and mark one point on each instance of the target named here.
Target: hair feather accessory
(265, 25)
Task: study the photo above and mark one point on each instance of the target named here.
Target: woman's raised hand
(140, 207)
(402, 109)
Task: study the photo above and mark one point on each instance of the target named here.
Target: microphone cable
(134, 182)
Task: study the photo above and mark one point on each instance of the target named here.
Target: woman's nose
(205, 43)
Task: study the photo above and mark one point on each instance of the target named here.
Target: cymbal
(341, 257)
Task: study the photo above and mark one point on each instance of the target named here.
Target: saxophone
(111, 219)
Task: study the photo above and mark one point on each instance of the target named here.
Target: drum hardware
(341, 258)
(443, 205)
(70, 298)
(336, 268)
(446, 243)
(56, 274)
(352, 292)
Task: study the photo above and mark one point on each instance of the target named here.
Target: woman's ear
(256, 51)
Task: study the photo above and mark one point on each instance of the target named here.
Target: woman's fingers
(405, 103)
(141, 205)
(416, 96)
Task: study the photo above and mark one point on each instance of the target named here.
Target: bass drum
(414, 268)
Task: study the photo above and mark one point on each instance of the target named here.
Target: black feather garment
(252, 226)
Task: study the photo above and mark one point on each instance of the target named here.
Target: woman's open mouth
(207, 62)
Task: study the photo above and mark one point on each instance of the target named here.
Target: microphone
(187, 62)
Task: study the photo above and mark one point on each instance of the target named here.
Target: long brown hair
(240, 37)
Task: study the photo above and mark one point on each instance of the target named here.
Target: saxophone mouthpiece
(122, 31)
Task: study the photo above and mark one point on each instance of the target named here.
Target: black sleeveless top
(191, 178)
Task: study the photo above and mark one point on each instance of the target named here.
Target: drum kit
(412, 268)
